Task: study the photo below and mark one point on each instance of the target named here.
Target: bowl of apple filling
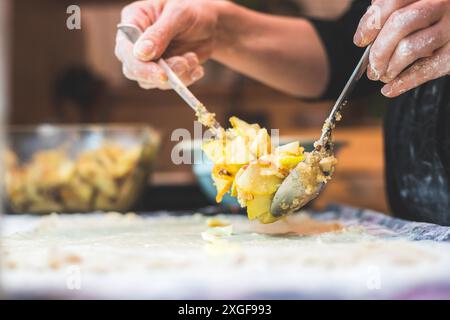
(245, 167)
(77, 168)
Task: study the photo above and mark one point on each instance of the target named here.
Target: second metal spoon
(292, 195)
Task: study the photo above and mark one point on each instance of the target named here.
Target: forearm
(284, 53)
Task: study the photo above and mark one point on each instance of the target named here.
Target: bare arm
(284, 53)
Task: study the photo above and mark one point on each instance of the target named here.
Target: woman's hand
(188, 32)
(183, 31)
(411, 42)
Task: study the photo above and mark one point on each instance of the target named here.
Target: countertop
(344, 253)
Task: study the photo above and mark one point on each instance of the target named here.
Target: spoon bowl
(291, 195)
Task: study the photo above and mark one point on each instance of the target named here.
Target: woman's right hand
(183, 31)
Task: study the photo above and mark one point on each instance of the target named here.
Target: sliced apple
(253, 182)
(214, 150)
(225, 171)
(223, 177)
(222, 186)
(237, 151)
(267, 218)
(246, 163)
(290, 162)
(234, 191)
(242, 125)
(244, 129)
(259, 208)
(261, 145)
(292, 148)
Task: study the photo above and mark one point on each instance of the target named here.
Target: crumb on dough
(217, 222)
(73, 259)
(217, 234)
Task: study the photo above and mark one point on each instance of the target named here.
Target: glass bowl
(77, 168)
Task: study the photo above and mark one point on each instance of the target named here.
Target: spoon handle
(179, 87)
(330, 122)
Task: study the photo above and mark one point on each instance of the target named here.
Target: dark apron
(417, 153)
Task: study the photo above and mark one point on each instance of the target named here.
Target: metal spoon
(133, 33)
(292, 195)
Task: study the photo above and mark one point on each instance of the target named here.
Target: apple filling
(246, 166)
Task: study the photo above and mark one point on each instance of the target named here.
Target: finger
(133, 68)
(143, 83)
(148, 75)
(178, 64)
(193, 72)
(187, 78)
(197, 74)
(419, 45)
(156, 38)
(122, 46)
(374, 19)
(144, 72)
(183, 64)
(135, 15)
(148, 71)
(146, 85)
(400, 24)
(192, 59)
(128, 74)
(424, 70)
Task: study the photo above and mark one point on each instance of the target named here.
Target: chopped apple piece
(223, 177)
(243, 127)
(292, 148)
(261, 146)
(253, 182)
(246, 163)
(259, 208)
(214, 150)
(217, 222)
(237, 151)
(290, 162)
(226, 172)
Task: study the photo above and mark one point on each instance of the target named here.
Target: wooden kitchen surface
(359, 177)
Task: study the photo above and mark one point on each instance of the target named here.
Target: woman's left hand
(411, 42)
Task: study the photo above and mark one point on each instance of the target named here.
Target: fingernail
(387, 90)
(357, 39)
(375, 75)
(197, 74)
(145, 50)
(370, 73)
(179, 68)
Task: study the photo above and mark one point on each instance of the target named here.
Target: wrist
(226, 34)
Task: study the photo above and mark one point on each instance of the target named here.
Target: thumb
(155, 40)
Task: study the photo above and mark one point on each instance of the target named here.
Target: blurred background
(61, 76)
